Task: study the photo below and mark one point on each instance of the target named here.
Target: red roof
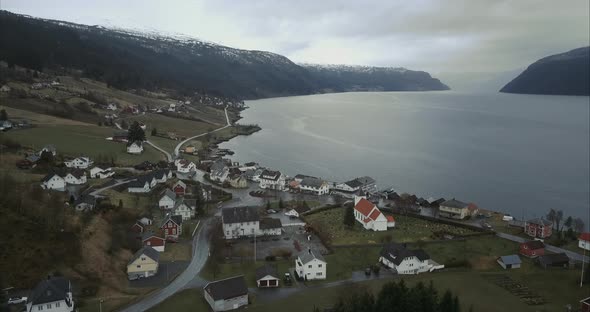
(585, 236)
(364, 206)
(375, 214)
(390, 219)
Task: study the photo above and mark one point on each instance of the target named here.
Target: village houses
(52, 294)
(78, 162)
(135, 147)
(245, 221)
(273, 180)
(267, 276)
(167, 200)
(53, 181)
(172, 227)
(370, 217)
(185, 166)
(179, 188)
(185, 208)
(538, 228)
(404, 261)
(226, 294)
(144, 263)
(219, 171)
(362, 184)
(532, 249)
(509, 262)
(101, 172)
(314, 186)
(152, 240)
(454, 209)
(311, 265)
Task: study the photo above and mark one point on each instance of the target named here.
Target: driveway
(177, 148)
(168, 156)
(166, 271)
(198, 260)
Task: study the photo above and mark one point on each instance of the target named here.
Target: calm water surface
(512, 153)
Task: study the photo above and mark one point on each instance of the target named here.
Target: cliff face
(561, 74)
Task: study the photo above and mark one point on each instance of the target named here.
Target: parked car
(287, 279)
(17, 300)
(270, 211)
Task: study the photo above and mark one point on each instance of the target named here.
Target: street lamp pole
(100, 304)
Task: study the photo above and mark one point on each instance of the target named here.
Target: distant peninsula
(560, 74)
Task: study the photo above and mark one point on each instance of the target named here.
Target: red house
(172, 227)
(538, 228)
(532, 249)
(154, 241)
(137, 228)
(179, 188)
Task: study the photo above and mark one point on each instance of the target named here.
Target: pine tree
(349, 216)
(3, 115)
(135, 133)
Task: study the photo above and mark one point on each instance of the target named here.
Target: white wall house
(139, 186)
(310, 265)
(52, 294)
(369, 216)
(274, 180)
(405, 261)
(167, 200)
(53, 181)
(240, 221)
(101, 172)
(76, 177)
(79, 163)
(135, 147)
(584, 241)
(184, 208)
(314, 185)
(227, 294)
(185, 166)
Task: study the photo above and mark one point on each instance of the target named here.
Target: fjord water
(506, 152)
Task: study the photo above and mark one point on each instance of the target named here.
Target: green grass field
(164, 124)
(75, 140)
(407, 229)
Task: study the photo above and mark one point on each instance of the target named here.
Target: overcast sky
(442, 37)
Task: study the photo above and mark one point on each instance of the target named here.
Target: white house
(49, 149)
(163, 175)
(364, 184)
(297, 211)
(314, 185)
(584, 241)
(78, 163)
(371, 218)
(267, 276)
(310, 265)
(52, 294)
(227, 294)
(219, 171)
(240, 221)
(112, 106)
(404, 261)
(272, 180)
(85, 203)
(270, 226)
(509, 262)
(143, 184)
(167, 200)
(185, 166)
(185, 208)
(101, 172)
(76, 177)
(135, 147)
(53, 181)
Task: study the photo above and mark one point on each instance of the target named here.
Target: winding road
(177, 148)
(187, 279)
(168, 156)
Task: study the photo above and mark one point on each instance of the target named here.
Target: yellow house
(144, 263)
(454, 209)
(189, 149)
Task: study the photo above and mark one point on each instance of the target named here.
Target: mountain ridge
(129, 59)
(565, 73)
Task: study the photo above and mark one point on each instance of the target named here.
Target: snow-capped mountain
(132, 59)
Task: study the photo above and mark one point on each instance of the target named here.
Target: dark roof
(360, 181)
(159, 174)
(309, 255)
(137, 183)
(510, 259)
(270, 175)
(86, 199)
(49, 290)
(265, 270)
(312, 182)
(148, 251)
(454, 203)
(49, 176)
(396, 253)
(227, 288)
(554, 259)
(354, 183)
(270, 223)
(534, 244)
(176, 219)
(149, 234)
(303, 176)
(239, 214)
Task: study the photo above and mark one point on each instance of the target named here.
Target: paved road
(177, 148)
(571, 254)
(186, 279)
(97, 192)
(168, 156)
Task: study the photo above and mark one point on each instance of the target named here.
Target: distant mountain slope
(560, 74)
(338, 78)
(130, 60)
